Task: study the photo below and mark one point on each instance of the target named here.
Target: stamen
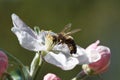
(49, 43)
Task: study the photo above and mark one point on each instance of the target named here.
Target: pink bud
(51, 76)
(3, 62)
(103, 63)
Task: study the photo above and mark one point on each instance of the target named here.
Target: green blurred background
(98, 19)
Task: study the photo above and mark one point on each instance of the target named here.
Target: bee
(65, 38)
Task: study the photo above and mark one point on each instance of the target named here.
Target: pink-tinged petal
(3, 62)
(100, 65)
(93, 45)
(93, 56)
(51, 76)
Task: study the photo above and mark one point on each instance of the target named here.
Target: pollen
(49, 44)
(71, 48)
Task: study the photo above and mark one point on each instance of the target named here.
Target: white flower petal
(63, 48)
(60, 60)
(81, 55)
(27, 37)
(27, 41)
(68, 62)
(18, 23)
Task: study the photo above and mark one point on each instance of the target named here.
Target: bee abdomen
(71, 45)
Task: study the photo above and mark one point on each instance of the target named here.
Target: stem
(100, 77)
(37, 68)
(6, 76)
(82, 75)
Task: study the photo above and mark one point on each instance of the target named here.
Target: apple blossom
(102, 64)
(55, 53)
(3, 62)
(51, 76)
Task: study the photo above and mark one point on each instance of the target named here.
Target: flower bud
(102, 64)
(3, 62)
(51, 76)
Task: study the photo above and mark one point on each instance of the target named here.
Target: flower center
(49, 42)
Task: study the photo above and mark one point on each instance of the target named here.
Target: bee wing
(67, 27)
(73, 31)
